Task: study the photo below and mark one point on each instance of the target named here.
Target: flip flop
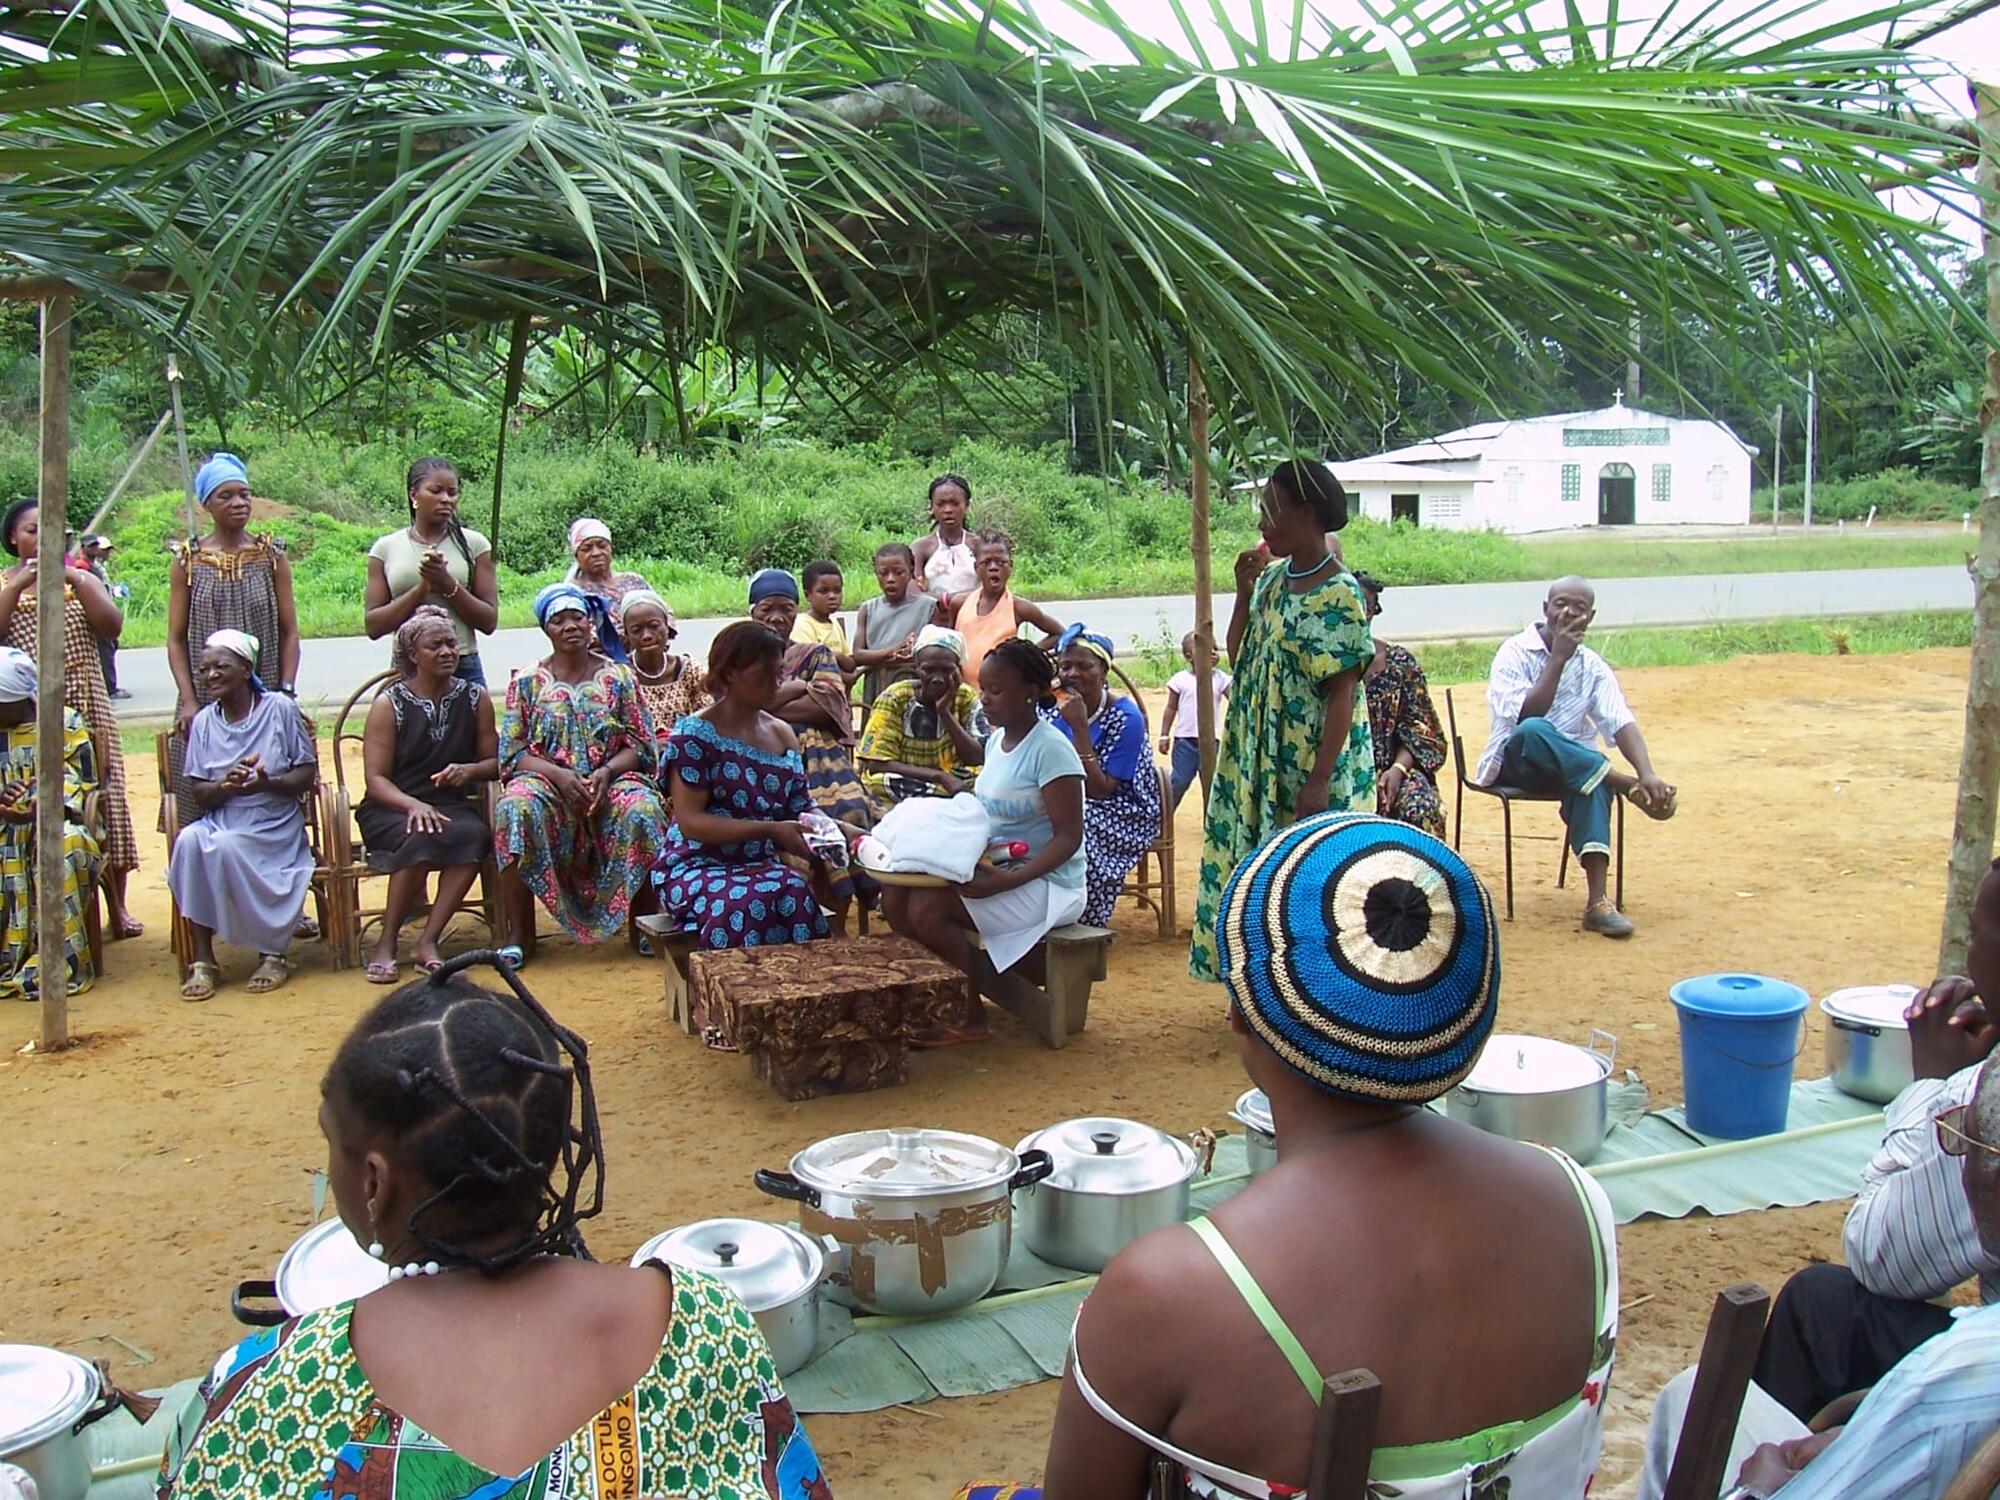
(379, 972)
(270, 974)
(429, 965)
(201, 981)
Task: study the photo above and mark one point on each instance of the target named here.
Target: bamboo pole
(1204, 582)
(510, 394)
(132, 468)
(181, 438)
(52, 495)
(1979, 755)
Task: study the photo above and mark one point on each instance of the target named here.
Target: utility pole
(1777, 464)
(1812, 416)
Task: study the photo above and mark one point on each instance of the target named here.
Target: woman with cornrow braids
(463, 1149)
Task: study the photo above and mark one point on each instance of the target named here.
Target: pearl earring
(375, 1250)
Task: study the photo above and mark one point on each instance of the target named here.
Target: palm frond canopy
(842, 184)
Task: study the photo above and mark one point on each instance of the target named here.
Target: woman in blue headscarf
(579, 821)
(1121, 786)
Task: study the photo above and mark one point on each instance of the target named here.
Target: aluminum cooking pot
(324, 1266)
(1868, 1041)
(773, 1268)
(1113, 1180)
(47, 1398)
(1260, 1139)
(925, 1217)
(1532, 1088)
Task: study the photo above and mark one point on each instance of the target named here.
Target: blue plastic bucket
(1739, 1039)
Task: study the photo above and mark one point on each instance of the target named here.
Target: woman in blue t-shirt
(1121, 787)
(1031, 786)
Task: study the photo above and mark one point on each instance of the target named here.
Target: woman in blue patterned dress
(738, 788)
(1121, 786)
(579, 819)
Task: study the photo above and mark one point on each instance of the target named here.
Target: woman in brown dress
(227, 580)
(670, 685)
(89, 613)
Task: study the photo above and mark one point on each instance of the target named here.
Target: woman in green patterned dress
(463, 1150)
(1292, 743)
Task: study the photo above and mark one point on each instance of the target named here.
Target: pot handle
(1841, 1023)
(1610, 1057)
(109, 1399)
(1035, 1165)
(256, 1317)
(785, 1185)
(1468, 1092)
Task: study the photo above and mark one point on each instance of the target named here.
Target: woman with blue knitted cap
(230, 579)
(579, 822)
(1121, 786)
(1474, 1276)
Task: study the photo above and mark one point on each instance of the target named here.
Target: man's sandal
(271, 972)
(201, 981)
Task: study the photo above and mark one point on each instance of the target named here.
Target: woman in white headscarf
(19, 963)
(591, 573)
(243, 868)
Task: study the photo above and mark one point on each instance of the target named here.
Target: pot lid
(1872, 1004)
(324, 1267)
(42, 1393)
(1109, 1155)
(1512, 1064)
(904, 1163)
(766, 1265)
(1253, 1111)
(1739, 995)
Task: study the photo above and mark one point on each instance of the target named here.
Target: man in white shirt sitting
(1551, 699)
(1911, 1235)
(1909, 1435)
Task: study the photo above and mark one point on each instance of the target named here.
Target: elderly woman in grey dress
(242, 869)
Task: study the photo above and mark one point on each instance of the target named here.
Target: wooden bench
(1048, 991)
(675, 949)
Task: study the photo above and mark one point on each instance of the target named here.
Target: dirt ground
(169, 1157)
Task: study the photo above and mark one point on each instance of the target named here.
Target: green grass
(1790, 552)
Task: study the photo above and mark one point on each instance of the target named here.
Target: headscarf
(17, 676)
(587, 529)
(220, 469)
(1364, 953)
(941, 637)
(558, 597)
(1076, 635)
(240, 643)
(645, 596)
(421, 618)
(773, 583)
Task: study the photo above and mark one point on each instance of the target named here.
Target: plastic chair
(1151, 882)
(347, 854)
(1507, 796)
(314, 804)
(1343, 1443)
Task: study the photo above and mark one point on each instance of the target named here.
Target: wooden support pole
(1979, 756)
(132, 468)
(181, 440)
(52, 493)
(1204, 581)
(510, 394)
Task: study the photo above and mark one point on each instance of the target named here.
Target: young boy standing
(1181, 741)
(885, 628)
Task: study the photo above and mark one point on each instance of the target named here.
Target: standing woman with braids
(1293, 743)
(945, 567)
(1031, 786)
(463, 1149)
(434, 560)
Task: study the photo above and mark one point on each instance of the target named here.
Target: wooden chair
(1507, 796)
(344, 843)
(94, 899)
(313, 803)
(1151, 882)
(1979, 1476)
(1728, 1354)
(1343, 1443)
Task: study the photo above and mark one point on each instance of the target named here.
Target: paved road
(1470, 611)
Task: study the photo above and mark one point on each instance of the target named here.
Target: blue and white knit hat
(1363, 952)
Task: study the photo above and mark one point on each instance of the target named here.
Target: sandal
(131, 927)
(383, 971)
(201, 981)
(271, 972)
(306, 927)
(429, 965)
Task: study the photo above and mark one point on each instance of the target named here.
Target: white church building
(1617, 467)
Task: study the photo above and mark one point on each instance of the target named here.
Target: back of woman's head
(475, 1092)
(1036, 666)
(741, 646)
(1313, 484)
